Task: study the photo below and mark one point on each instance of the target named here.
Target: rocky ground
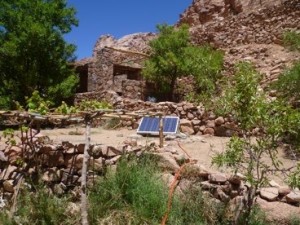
(198, 147)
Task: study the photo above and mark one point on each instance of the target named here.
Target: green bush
(5, 220)
(135, 194)
(133, 186)
(288, 84)
(93, 105)
(37, 104)
(292, 40)
(250, 107)
(40, 208)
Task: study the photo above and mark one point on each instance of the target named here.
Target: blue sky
(119, 18)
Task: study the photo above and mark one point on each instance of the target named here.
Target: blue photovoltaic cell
(150, 125)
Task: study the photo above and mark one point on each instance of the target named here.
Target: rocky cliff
(250, 30)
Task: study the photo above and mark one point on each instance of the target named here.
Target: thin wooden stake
(84, 212)
(161, 130)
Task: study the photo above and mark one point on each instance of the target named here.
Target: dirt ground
(201, 148)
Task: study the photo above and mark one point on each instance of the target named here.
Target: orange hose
(183, 149)
(171, 193)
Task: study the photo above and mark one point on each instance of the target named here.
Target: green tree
(246, 154)
(33, 52)
(173, 56)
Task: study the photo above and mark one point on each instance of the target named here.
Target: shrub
(133, 186)
(251, 109)
(41, 208)
(292, 40)
(289, 78)
(38, 104)
(93, 105)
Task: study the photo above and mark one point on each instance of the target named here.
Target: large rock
(293, 197)
(186, 126)
(187, 130)
(210, 123)
(269, 194)
(167, 161)
(278, 212)
(219, 121)
(217, 178)
(209, 131)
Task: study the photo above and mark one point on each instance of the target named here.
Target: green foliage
(205, 64)
(9, 135)
(242, 96)
(40, 208)
(292, 40)
(295, 220)
(37, 104)
(134, 184)
(173, 57)
(294, 178)
(93, 105)
(65, 109)
(135, 194)
(289, 78)
(251, 109)
(33, 52)
(5, 220)
(166, 62)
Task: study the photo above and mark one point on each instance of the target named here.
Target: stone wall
(211, 24)
(100, 77)
(194, 119)
(133, 89)
(60, 168)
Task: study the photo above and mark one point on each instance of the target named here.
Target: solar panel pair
(150, 125)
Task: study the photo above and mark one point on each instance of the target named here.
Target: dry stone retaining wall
(194, 119)
(61, 164)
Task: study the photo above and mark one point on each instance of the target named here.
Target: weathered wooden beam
(127, 51)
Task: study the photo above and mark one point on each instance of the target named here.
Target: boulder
(217, 178)
(210, 123)
(167, 161)
(270, 193)
(219, 121)
(284, 190)
(187, 130)
(278, 212)
(293, 197)
(209, 131)
(186, 123)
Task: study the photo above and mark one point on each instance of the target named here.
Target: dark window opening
(83, 78)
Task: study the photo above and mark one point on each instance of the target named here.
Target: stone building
(115, 66)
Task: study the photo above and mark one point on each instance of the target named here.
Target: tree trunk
(172, 87)
(84, 212)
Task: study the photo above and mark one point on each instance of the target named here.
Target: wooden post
(84, 212)
(161, 132)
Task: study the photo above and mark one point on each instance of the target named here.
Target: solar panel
(150, 125)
